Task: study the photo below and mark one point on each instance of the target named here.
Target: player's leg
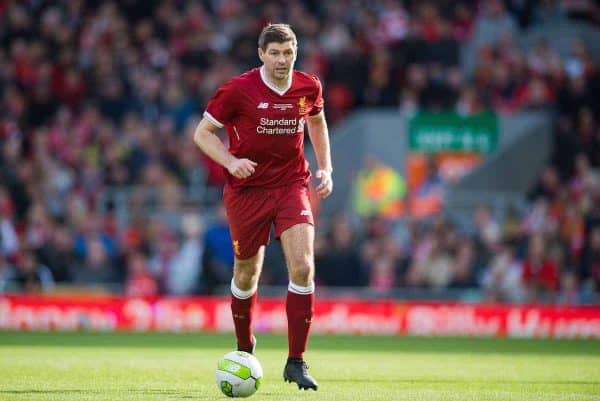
(294, 226)
(297, 242)
(246, 273)
(250, 219)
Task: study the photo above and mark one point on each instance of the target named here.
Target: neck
(281, 84)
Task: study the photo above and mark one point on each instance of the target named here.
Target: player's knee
(245, 282)
(302, 271)
(246, 275)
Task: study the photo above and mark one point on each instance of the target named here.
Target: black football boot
(296, 370)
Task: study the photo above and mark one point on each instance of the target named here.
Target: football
(239, 374)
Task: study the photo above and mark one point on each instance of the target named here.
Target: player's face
(278, 60)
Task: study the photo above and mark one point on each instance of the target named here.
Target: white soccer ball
(239, 374)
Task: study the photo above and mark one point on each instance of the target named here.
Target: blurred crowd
(549, 253)
(96, 95)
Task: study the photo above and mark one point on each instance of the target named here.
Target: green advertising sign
(443, 132)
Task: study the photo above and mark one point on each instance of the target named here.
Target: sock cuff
(241, 294)
(300, 290)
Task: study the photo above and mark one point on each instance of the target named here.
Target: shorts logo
(236, 247)
(305, 213)
(263, 105)
(302, 105)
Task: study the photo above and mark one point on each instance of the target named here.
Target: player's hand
(241, 168)
(325, 187)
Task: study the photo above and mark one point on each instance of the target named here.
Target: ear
(261, 54)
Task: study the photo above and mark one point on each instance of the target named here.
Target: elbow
(199, 137)
(204, 134)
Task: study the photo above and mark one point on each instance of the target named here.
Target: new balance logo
(305, 213)
(263, 105)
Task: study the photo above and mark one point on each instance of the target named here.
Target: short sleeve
(222, 106)
(319, 102)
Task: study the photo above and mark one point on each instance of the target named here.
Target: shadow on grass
(317, 342)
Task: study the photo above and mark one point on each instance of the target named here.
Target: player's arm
(207, 140)
(319, 136)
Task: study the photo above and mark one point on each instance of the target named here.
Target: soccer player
(265, 111)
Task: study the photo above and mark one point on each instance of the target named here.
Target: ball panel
(226, 388)
(233, 367)
(246, 359)
(245, 389)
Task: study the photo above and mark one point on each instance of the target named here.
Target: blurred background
(465, 138)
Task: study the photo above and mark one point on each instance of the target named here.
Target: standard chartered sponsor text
(280, 126)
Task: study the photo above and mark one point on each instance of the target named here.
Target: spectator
(8, 276)
(488, 230)
(378, 190)
(569, 293)
(382, 275)
(139, 282)
(91, 230)
(502, 280)
(33, 276)
(9, 242)
(590, 263)
(432, 264)
(540, 274)
(96, 269)
(464, 269)
(186, 273)
(218, 252)
(58, 254)
(163, 256)
(340, 250)
(548, 185)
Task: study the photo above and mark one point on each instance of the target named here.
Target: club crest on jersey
(302, 105)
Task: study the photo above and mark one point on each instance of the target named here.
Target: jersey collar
(274, 88)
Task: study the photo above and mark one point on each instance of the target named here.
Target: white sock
(298, 289)
(241, 294)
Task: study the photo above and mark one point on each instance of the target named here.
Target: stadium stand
(102, 188)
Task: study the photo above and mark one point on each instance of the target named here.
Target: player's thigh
(294, 225)
(250, 216)
(297, 242)
(293, 208)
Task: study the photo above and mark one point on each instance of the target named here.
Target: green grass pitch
(131, 367)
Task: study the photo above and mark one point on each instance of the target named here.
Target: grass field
(47, 366)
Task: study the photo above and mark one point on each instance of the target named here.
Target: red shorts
(251, 212)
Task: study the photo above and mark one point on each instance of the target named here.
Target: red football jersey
(266, 125)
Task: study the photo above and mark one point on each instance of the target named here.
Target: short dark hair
(278, 33)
